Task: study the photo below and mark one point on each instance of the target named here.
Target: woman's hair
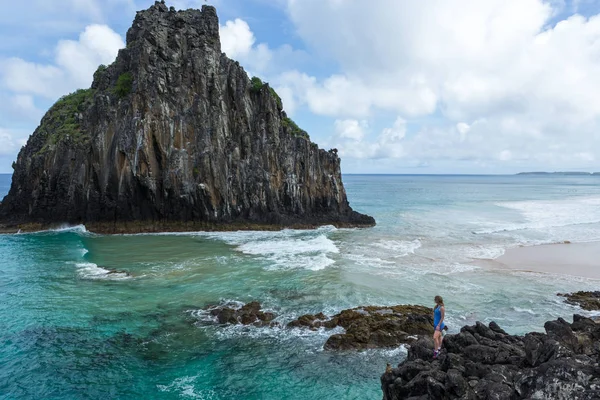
(438, 300)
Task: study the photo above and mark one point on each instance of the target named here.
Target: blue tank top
(437, 315)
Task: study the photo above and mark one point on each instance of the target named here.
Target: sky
(397, 86)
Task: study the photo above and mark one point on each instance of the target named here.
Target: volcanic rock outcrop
(484, 362)
(248, 314)
(174, 135)
(372, 326)
(587, 300)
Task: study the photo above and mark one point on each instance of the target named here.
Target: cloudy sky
(397, 86)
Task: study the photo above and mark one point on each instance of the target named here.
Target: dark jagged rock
(174, 136)
(372, 327)
(483, 362)
(247, 314)
(587, 300)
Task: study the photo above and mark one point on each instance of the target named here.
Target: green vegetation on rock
(256, 85)
(124, 84)
(277, 98)
(62, 120)
(294, 128)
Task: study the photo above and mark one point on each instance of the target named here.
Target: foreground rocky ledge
(484, 362)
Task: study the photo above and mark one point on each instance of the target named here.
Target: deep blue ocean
(70, 330)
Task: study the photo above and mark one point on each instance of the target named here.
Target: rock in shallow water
(587, 300)
(372, 327)
(483, 362)
(248, 314)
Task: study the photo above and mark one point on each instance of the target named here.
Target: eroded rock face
(372, 327)
(483, 362)
(174, 132)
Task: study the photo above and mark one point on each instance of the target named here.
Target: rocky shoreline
(484, 362)
(133, 227)
(479, 362)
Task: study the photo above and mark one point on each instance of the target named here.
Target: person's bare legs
(437, 341)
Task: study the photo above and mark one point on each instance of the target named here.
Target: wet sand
(577, 259)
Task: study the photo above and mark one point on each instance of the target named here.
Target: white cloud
(396, 133)
(98, 44)
(7, 143)
(350, 129)
(38, 20)
(507, 85)
(236, 38)
(75, 63)
(351, 140)
(239, 43)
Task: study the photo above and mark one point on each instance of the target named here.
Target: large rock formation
(174, 135)
(484, 362)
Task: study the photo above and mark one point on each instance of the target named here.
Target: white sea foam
(316, 338)
(186, 388)
(401, 350)
(205, 316)
(523, 310)
(370, 261)
(543, 214)
(293, 251)
(69, 228)
(483, 252)
(290, 246)
(400, 248)
(93, 271)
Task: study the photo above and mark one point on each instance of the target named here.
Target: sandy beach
(577, 259)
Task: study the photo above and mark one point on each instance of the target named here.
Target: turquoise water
(71, 330)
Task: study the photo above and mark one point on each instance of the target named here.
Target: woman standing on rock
(439, 312)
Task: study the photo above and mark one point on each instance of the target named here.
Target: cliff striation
(174, 135)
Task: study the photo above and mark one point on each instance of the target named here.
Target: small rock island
(174, 135)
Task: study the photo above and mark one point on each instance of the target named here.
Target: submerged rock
(174, 136)
(372, 327)
(587, 300)
(483, 362)
(247, 314)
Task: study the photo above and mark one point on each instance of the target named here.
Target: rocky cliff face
(175, 132)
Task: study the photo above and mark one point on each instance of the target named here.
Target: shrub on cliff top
(256, 84)
(62, 120)
(294, 128)
(124, 84)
